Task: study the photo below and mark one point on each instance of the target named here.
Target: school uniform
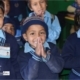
(53, 25)
(32, 67)
(71, 55)
(9, 68)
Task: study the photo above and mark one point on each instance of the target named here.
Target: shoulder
(11, 40)
(9, 37)
(72, 37)
(72, 40)
(53, 47)
(30, 14)
(24, 56)
(48, 14)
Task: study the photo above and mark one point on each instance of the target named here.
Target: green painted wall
(58, 5)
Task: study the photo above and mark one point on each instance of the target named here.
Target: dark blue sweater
(10, 64)
(35, 70)
(71, 52)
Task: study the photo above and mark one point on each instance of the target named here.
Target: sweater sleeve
(14, 55)
(69, 54)
(28, 66)
(55, 62)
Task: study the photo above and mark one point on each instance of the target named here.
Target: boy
(9, 26)
(39, 60)
(71, 52)
(9, 68)
(39, 9)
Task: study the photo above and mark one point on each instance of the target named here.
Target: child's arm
(14, 55)
(28, 66)
(54, 30)
(55, 63)
(70, 53)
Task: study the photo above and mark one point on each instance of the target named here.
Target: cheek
(1, 23)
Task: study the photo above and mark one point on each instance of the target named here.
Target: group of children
(40, 59)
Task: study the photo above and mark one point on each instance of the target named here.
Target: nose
(37, 35)
(39, 6)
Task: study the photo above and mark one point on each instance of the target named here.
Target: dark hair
(29, 3)
(77, 20)
(2, 6)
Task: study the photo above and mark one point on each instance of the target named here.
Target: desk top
(69, 18)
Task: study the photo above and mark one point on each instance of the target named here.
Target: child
(40, 60)
(39, 9)
(9, 68)
(7, 8)
(71, 52)
(9, 26)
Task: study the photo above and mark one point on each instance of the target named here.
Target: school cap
(11, 21)
(34, 20)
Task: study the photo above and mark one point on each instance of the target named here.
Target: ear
(30, 7)
(25, 37)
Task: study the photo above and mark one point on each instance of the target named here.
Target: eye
(11, 29)
(43, 33)
(31, 33)
(35, 4)
(1, 16)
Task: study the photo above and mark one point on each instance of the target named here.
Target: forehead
(36, 27)
(8, 24)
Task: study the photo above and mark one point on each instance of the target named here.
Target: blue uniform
(33, 68)
(10, 64)
(71, 55)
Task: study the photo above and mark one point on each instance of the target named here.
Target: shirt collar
(28, 48)
(78, 33)
(47, 14)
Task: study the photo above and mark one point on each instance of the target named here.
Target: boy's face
(8, 28)
(33, 33)
(38, 6)
(7, 6)
(1, 18)
(78, 2)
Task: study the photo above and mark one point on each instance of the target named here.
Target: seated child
(39, 9)
(9, 68)
(40, 59)
(71, 52)
(9, 27)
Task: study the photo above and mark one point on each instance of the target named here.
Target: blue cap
(34, 20)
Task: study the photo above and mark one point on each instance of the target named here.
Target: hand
(43, 53)
(38, 48)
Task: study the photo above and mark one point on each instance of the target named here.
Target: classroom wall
(55, 6)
